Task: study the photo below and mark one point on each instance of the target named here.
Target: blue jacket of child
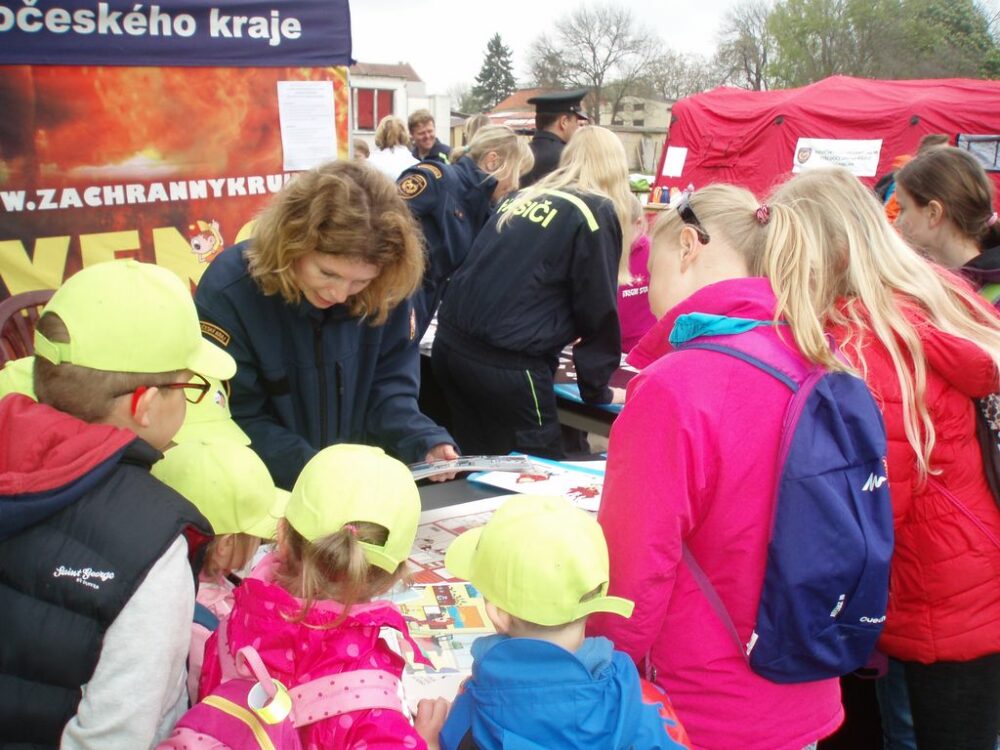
(529, 693)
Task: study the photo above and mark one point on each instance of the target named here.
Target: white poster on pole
(308, 123)
(859, 156)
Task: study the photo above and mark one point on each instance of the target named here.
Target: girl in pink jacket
(308, 610)
(693, 461)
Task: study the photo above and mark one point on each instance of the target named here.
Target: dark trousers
(955, 704)
(497, 406)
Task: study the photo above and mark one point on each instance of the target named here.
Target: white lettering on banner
(176, 191)
(142, 21)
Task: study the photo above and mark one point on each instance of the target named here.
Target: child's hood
(49, 459)
(551, 697)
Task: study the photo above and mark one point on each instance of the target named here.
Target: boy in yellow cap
(98, 556)
(231, 486)
(542, 566)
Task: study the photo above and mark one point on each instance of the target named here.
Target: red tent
(756, 138)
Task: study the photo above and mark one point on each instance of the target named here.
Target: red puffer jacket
(944, 602)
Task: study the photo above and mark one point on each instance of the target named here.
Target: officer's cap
(560, 102)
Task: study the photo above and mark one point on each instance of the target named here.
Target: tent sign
(860, 157)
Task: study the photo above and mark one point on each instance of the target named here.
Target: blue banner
(194, 33)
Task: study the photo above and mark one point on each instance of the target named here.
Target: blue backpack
(826, 583)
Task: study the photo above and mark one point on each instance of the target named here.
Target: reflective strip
(242, 714)
(531, 384)
(584, 208)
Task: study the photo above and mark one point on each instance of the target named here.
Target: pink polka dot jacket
(297, 652)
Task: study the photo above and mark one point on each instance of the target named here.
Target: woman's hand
(430, 718)
(442, 452)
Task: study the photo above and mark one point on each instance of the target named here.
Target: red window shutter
(365, 115)
(384, 104)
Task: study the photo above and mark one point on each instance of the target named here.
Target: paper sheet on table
(308, 123)
(581, 486)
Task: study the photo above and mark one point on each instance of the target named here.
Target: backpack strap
(342, 693)
(203, 616)
(699, 575)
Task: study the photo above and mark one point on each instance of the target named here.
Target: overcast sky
(445, 40)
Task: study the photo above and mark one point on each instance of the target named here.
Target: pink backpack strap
(337, 694)
(227, 663)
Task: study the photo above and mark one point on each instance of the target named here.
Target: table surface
(442, 494)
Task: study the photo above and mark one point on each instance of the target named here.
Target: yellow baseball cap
(346, 483)
(228, 483)
(127, 316)
(210, 421)
(17, 376)
(538, 558)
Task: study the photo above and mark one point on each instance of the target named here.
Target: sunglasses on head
(688, 216)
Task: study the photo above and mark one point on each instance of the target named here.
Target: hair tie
(763, 214)
(992, 220)
(352, 528)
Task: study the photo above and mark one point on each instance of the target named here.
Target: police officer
(541, 274)
(424, 136)
(452, 202)
(557, 117)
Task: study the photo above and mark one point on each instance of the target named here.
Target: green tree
(814, 39)
(495, 81)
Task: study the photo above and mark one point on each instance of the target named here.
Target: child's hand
(617, 395)
(431, 713)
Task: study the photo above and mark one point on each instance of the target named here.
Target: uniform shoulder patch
(412, 185)
(434, 170)
(214, 332)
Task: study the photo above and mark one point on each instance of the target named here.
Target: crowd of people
(158, 447)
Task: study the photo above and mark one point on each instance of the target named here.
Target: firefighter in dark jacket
(453, 202)
(557, 117)
(542, 274)
(314, 309)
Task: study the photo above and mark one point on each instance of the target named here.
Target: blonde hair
(593, 162)
(242, 552)
(84, 392)
(473, 124)
(515, 156)
(843, 265)
(346, 209)
(724, 211)
(335, 568)
(391, 132)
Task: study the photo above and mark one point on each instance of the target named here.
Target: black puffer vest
(64, 580)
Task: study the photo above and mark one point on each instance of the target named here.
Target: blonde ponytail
(335, 568)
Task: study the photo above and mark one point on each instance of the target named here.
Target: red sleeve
(965, 366)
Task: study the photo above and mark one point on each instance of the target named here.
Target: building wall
(408, 96)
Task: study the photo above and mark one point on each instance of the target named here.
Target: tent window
(986, 148)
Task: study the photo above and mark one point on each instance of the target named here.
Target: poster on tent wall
(163, 145)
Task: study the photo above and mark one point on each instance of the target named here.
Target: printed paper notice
(308, 123)
(860, 157)
(673, 163)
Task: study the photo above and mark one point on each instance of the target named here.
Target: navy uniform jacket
(452, 203)
(546, 278)
(309, 378)
(547, 148)
(439, 152)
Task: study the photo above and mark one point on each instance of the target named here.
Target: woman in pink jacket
(927, 346)
(693, 461)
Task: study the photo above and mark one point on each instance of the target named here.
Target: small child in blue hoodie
(542, 566)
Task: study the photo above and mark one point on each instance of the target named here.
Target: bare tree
(673, 76)
(746, 45)
(592, 47)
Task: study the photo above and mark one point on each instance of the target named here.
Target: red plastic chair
(18, 315)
